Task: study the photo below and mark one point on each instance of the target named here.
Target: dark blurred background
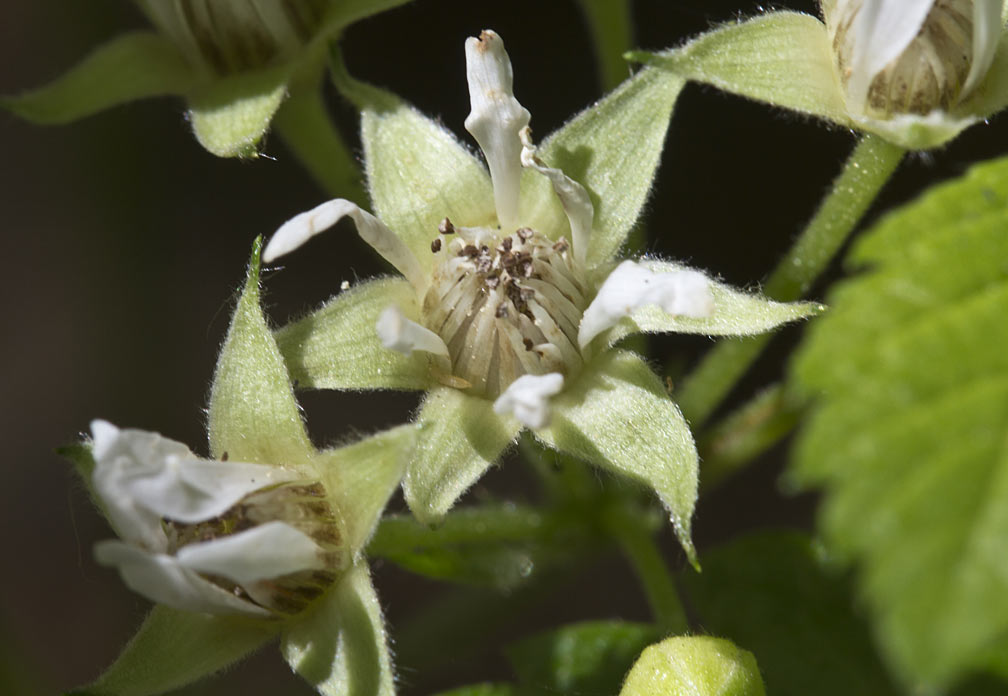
(126, 242)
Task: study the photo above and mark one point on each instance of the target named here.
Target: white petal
(495, 119)
(300, 228)
(986, 34)
(398, 333)
(193, 490)
(267, 551)
(528, 398)
(631, 286)
(573, 197)
(160, 577)
(881, 32)
(120, 457)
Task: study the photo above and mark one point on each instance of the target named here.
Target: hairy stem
(866, 172)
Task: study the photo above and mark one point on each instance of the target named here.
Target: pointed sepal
(174, 648)
(612, 149)
(340, 647)
(458, 438)
(129, 67)
(338, 346)
(617, 416)
(253, 416)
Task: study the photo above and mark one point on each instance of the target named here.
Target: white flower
(201, 535)
(911, 56)
(504, 314)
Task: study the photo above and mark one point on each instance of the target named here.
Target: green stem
(746, 433)
(309, 133)
(483, 525)
(866, 172)
(609, 23)
(638, 545)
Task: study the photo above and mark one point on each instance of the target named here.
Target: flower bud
(212, 536)
(897, 57)
(229, 36)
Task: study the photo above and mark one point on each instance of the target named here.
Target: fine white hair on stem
(495, 119)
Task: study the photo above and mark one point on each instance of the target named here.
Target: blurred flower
(234, 61)
(916, 72)
(510, 304)
(262, 540)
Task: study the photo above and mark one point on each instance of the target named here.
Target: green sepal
(80, 455)
(783, 58)
(588, 658)
(907, 438)
(337, 346)
(694, 666)
(618, 416)
(736, 313)
(611, 29)
(129, 67)
(174, 648)
(776, 592)
(361, 477)
(991, 95)
(613, 149)
(230, 115)
(253, 415)
(340, 645)
(496, 546)
(418, 173)
(458, 438)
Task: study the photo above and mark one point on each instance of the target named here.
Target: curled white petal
(398, 333)
(267, 551)
(881, 31)
(573, 196)
(528, 398)
(632, 285)
(495, 119)
(300, 228)
(161, 578)
(987, 29)
(143, 477)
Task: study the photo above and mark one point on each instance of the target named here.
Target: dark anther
(506, 243)
(502, 310)
(561, 246)
(224, 457)
(446, 227)
(435, 246)
(524, 233)
(528, 343)
(470, 251)
(527, 294)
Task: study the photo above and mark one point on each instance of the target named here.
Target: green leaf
(783, 58)
(337, 347)
(132, 66)
(230, 115)
(589, 658)
(253, 416)
(617, 415)
(361, 477)
(736, 313)
(340, 646)
(174, 648)
(772, 592)
(458, 438)
(694, 666)
(418, 174)
(612, 149)
(908, 439)
(496, 546)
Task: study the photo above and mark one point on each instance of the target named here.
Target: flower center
(930, 73)
(505, 306)
(303, 506)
